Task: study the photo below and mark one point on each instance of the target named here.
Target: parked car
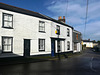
(96, 49)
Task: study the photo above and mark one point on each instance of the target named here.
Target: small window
(68, 45)
(68, 32)
(41, 44)
(7, 44)
(7, 20)
(58, 29)
(41, 26)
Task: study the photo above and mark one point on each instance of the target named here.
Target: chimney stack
(88, 39)
(61, 19)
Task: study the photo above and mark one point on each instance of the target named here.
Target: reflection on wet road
(85, 64)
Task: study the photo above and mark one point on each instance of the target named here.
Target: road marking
(91, 65)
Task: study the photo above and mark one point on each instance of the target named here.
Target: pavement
(88, 63)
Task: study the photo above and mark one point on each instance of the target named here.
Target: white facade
(27, 27)
(88, 44)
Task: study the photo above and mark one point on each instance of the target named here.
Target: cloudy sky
(74, 10)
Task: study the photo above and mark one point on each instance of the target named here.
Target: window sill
(41, 50)
(8, 27)
(7, 52)
(42, 31)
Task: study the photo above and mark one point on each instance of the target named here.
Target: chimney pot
(63, 17)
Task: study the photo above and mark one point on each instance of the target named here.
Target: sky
(73, 10)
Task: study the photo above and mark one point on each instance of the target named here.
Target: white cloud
(76, 15)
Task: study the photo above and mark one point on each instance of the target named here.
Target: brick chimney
(61, 19)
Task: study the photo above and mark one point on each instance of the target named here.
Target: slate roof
(28, 12)
(89, 41)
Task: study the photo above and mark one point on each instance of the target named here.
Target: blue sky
(75, 14)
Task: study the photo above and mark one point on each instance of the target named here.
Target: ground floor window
(41, 44)
(68, 45)
(7, 44)
(75, 46)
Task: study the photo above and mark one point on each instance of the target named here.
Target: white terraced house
(27, 33)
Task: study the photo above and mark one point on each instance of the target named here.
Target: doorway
(26, 47)
(52, 48)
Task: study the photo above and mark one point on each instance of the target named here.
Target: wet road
(86, 64)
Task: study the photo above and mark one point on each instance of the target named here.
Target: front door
(52, 48)
(26, 47)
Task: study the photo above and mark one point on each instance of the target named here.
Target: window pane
(41, 44)
(6, 24)
(7, 20)
(41, 29)
(9, 48)
(41, 47)
(10, 24)
(5, 48)
(5, 17)
(7, 44)
(4, 41)
(41, 26)
(10, 18)
(9, 40)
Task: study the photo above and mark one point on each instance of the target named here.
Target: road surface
(87, 63)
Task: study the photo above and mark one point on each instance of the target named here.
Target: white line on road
(91, 65)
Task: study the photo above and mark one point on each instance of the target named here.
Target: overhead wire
(66, 12)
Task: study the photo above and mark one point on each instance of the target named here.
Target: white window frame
(41, 45)
(68, 45)
(7, 21)
(68, 32)
(41, 26)
(7, 42)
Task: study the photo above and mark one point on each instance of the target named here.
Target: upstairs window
(7, 20)
(41, 26)
(58, 29)
(41, 45)
(68, 45)
(68, 32)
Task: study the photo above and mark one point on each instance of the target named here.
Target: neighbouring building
(77, 47)
(89, 44)
(27, 33)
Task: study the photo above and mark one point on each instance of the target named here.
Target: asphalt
(88, 63)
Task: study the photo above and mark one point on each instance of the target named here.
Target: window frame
(10, 45)
(58, 29)
(68, 45)
(41, 50)
(42, 26)
(68, 32)
(3, 26)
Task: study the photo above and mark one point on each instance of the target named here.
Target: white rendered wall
(27, 27)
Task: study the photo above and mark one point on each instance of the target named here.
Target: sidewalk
(33, 59)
